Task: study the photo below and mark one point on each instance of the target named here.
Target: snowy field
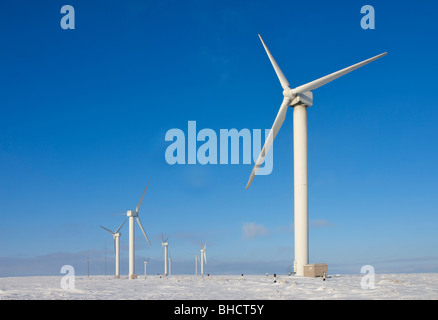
(222, 287)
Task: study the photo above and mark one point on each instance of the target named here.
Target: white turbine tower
(116, 236)
(196, 264)
(203, 258)
(145, 266)
(300, 99)
(131, 215)
(164, 244)
(170, 264)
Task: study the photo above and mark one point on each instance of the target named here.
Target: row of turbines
(131, 214)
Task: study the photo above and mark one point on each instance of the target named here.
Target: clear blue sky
(84, 114)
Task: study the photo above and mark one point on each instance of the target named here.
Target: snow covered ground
(221, 287)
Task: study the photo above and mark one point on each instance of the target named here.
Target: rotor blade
(141, 227)
(280, 75)
(141, 199)
(120, 226)
(205, 257)
(270, 139)
(107, 230)
(324, 80)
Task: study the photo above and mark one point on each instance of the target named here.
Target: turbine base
(315, 270)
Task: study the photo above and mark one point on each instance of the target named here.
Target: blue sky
(84, 114)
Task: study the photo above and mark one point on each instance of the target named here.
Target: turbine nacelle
(305, 98)
(132, 213)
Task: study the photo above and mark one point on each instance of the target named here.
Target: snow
(222, 287)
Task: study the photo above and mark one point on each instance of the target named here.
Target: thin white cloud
(251, 230)
(320, 223)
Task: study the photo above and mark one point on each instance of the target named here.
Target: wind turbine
(131, 215)
(300, 99)
(196, 264)
(116, 237)
(170, 264)
(145, 265)
(203, 258)
(164, 244)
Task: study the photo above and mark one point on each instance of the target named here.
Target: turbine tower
(300, 99)
(196, 264)
(164, 244)
(116, 236)
(170, 264)
(131, 215)
(145, 266)
(203, 258)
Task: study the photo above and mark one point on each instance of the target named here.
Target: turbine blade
(120, 226)
(141, 199)
(268, 143)
(324, 80)
(107, 230)
(280, 75)
(205, 257)
(141, 227)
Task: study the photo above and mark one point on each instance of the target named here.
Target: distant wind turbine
(164, 244)
(203, 258)
(170, 264)
(145, 266)
(196, 264)
(116, 236)
(131, 215)
(300, 99)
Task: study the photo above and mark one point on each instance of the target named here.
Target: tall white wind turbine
(131, 215)
(203, 258)
(300, 99)
(170, 264)
(116, 236)
(145, 266)
(196, 264)
(164, 244)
